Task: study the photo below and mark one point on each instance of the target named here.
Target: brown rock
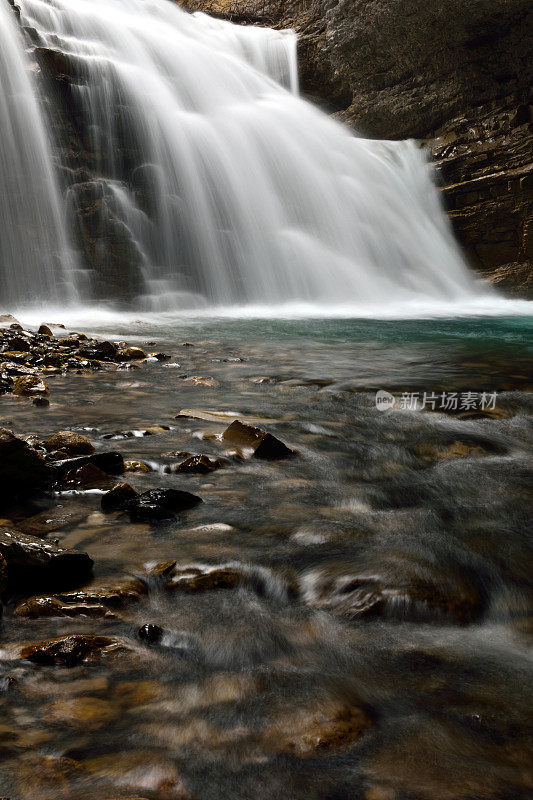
(22, 469)
(52, 606)
(202, 380)
(116, 497)
(136, 466)
(98, 599)
(195, 579)
(198, 464)
(87, 713)
(44, 330)
(32, 559)
(262, 444)
(131, 354)
(74, 444)
(397, 586)
(87, 477)
(68, 651)
(29, 385)
(307, 732)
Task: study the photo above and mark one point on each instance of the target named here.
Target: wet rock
(136, 466)
(52, 606)
(30, 385)
(69, 651)
(202, 380)
(151, 634)
(32, 559)
(99, 599)
(75, 444)
(87, 477)
(101, 351)
(53, 519)
(307, 732)
(262, 444)
(44, 330)
(137, 771)
(160, 504)
(150, 512)
(131, 354)
(22, 469)
(20, 344)
(397, 586)
(110, 462)
(195, 579)
(41, 402)
(87, 713)
(198, 464)
(117, 497)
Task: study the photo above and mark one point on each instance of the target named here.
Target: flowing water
(234, 190)
(384, 569)
(246, 681)
(33, 251)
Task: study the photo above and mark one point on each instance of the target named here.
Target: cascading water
(234, 189)
(34, 261)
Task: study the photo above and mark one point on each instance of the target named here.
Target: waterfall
(231, 189)
(34, 259)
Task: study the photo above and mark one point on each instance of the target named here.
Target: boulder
(110, 462)
(117, 497)
(136, 466)
(160, 504)
(262, 444)
(201, 465)
(35, 561)
(131, 354)
(22, 469)
(75, 444)
(44, 330)
(29, 386)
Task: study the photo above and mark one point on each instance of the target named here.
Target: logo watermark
(436, 401)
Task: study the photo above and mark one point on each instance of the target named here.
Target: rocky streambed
(226, 572)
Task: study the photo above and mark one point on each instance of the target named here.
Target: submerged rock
(86, 713)
(194, 578)
(397, 586)
(31, 560)
(307, 732)
(262, 444)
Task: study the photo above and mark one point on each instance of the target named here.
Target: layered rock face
(453, 74)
